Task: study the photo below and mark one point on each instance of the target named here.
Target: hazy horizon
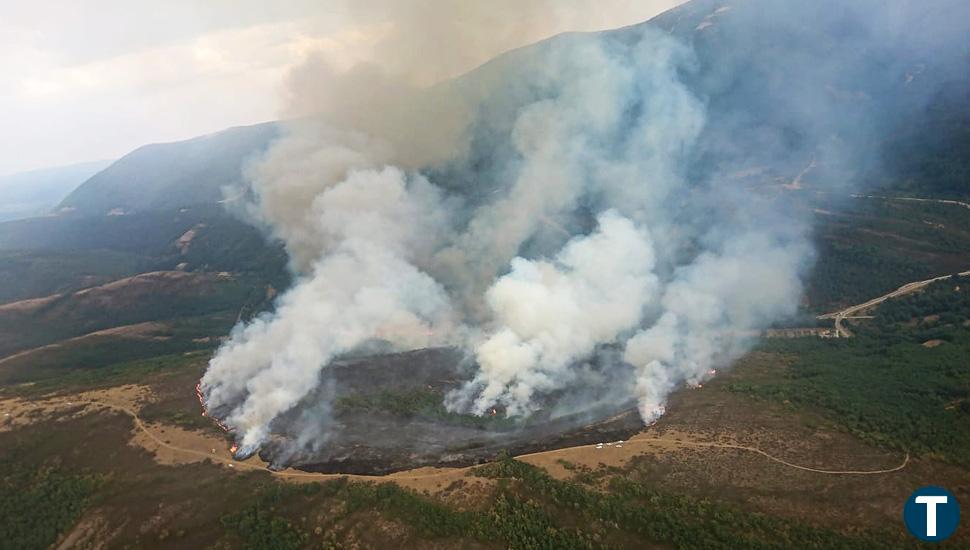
(92, 82)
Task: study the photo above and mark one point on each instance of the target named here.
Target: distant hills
(783, 82)
(37, 192)
(171, 175)
(155, 209)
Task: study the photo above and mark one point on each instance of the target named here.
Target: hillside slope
(37, 192)
(171, 175)
(784, 83)
(145, 297)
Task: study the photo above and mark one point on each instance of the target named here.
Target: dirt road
(851, 311)
(639, 441)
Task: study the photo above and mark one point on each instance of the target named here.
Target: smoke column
(364, 285)
(534, 212)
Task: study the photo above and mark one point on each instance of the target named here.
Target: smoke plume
(550, 314)
(573, 200)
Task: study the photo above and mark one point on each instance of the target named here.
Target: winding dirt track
(839, 316)
(907, 288)
(637, 441)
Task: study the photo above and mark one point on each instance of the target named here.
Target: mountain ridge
(37, 192)
(171, 175)
(764, 68)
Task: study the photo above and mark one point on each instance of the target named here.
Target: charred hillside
(384, 413)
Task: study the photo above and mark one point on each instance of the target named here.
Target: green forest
(903, 381)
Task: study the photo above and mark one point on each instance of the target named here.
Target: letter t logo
(931, 502)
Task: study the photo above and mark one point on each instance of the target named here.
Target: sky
(92, 80)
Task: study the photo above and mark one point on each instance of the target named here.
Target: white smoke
(363, 286)
(551, 314)
(710, 309)
(531, 212)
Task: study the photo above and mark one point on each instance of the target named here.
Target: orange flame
(201, 398)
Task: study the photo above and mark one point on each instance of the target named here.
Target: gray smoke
(560, 203)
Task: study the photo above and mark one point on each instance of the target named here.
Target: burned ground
(385, 413)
